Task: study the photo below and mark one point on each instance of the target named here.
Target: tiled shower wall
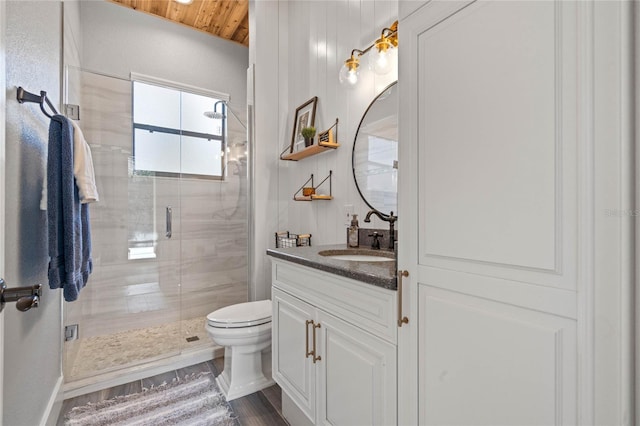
(201, 268)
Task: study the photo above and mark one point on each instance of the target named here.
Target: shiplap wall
(320, 36)
(297, 48)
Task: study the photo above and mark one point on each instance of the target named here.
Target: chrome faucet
(387, 218)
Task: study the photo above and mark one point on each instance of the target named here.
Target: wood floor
(262, 408)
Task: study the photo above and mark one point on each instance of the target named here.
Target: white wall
(320, 37)
(117, 41)
(72, 33)
(313, 40)
(269, 83)
(33, 340)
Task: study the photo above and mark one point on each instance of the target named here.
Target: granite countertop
(381, 274)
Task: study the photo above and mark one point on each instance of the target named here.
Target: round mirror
(375, 153)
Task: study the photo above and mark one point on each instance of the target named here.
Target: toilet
(245, 332)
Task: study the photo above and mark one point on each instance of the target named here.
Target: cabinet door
(489, 199)
(292, 370)
(356, 375)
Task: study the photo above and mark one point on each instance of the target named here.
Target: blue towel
(68, 221)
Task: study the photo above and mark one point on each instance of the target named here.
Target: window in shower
(172, 134)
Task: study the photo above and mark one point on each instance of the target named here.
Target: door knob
(25, 297)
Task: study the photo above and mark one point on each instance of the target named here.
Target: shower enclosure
(168, 248)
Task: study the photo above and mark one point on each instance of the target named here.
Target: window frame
(182, 88)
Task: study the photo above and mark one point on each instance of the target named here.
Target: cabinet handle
(401, 319)
(315, 358)
(306, 339)
(169, 219)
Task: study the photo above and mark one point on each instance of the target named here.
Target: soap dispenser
(352, 232)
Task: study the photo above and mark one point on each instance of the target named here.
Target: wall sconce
(381, 60)
(349, 72)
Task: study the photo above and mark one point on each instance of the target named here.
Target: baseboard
(121, 377)
(52, 412)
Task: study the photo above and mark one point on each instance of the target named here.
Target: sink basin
(359, 255)
(360, 258)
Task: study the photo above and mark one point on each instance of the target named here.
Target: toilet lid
(241, 315)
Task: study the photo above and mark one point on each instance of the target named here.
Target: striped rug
(193, 401)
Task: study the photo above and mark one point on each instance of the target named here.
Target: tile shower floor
(105, 353)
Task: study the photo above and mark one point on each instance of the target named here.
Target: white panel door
(357, 382)
(292, 369)
(505, 365)
(489, 203)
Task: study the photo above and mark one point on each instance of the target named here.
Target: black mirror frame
(353, 149)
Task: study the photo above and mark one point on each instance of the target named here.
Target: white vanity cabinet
(334, 346)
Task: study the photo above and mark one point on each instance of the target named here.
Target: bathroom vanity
(334, 336)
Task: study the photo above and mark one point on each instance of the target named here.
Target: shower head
(223, 114)
(215, 114)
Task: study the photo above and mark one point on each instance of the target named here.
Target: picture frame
(305, 117)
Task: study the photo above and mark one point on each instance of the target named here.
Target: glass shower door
(129, 312)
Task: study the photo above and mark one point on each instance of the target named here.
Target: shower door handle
(169, 216)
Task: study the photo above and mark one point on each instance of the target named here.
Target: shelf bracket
(296, 197)
(330, 184)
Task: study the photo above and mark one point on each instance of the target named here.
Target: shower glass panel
(129, 312)
(149, 292)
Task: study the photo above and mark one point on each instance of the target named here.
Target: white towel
(82, 171)
(83, 167)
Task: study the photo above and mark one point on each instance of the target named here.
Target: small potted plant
(308, 133)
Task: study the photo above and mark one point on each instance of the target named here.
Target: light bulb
(383, 58)
(350, 72)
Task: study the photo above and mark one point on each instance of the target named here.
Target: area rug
(193, 401)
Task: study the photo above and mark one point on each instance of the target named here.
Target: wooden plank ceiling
(228, 19)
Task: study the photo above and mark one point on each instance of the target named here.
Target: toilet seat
(241, 315)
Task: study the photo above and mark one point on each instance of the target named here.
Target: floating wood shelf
(321, 197)
(309, 151)
(314, 197)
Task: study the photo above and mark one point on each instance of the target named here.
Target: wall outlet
(347, 212)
